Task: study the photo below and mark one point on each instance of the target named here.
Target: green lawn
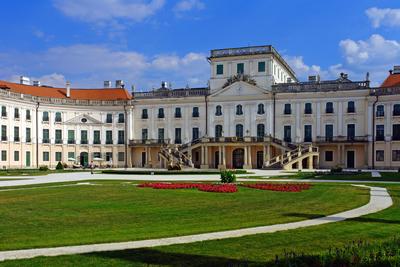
(33, 172)
(254, 250)
(119, 211)
(361, 176)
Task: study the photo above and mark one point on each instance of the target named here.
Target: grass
(344, 176)
(256, 250)
(32, 172)
(115, 211)
(165, 172)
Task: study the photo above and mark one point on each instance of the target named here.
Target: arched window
(58, 117)
(260, 130)
(329, 107)
(239, 130)
(260, 109)
(45, 116)
(239, 110)
(218, 110)
(380, 111)
(160, 113)
(218, 130)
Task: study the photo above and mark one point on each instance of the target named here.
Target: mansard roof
(106, 94)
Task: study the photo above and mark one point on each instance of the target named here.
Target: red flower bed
(280, 187)
(218, 188)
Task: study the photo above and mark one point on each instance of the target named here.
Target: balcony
(140, 142)
(342, 139)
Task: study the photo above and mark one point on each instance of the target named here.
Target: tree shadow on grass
(359, 219)
(153, 257)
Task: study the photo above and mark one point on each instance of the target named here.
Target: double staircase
(294, 157)
(175, 158)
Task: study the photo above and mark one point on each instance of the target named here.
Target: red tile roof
(392, 80)
(106, 94)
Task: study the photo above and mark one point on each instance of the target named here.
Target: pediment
(240, 88)
(83, 119)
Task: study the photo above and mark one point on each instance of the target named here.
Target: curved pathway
(379, 200)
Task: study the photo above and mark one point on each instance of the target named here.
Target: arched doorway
(84, 159)
(238, 158)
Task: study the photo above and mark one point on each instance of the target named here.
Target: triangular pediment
(83, 119)
(240, 88)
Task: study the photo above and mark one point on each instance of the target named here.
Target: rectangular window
(4, 155)
(16, 134)
(351, 131)
(178, 113)
(380, 155)
(96, 155)
(329, 108)
(307, 108)
(195, 133)
(71, 156)
(16, 113)
(46, 156)
(380, 111)
(3, 132)
(109, 156)
(396, 110)
(145, 134)
(307, 133)
(121, 137)
(45, 116)
(96, 137)
(261, 66)
(58, 117)
(58, 156)
(16, 155)
(46, 138)
(84, 137)
(287, 133)
(240, 68)
(121, 156)
(161, 113)
(28, 115)
(328, 132)
(109, 118)
(71, 137)
(28, 135)
(220, 69)
(160, 135)
(109, 137)
(58, 137)
(287, 110)
(396, 132)
(395, 155)
(3, 111)
(328, 155)
(351, 108)
(195, 113)
(178, 136)
(145, 114)
(380, 132)
(121, 118)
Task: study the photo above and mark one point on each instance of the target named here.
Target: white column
(297, 129)
(369, 123)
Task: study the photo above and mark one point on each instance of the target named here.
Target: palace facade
(254, 114)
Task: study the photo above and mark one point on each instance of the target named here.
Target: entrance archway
(84, 159)
(238, 158)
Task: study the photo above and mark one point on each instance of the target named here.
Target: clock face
(83, 120)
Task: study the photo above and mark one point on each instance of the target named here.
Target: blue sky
(145, 42)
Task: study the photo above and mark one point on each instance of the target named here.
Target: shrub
(43, 168)
(336, 169)
(59, 166)
(228, 177)
(65, 165)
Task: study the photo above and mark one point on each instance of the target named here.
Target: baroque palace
(253, 114)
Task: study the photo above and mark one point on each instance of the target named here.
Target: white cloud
(109, 10)
(383, 17)
(301, 69)
(187, 5)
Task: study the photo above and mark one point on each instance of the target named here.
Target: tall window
(16, 155)
(380, 155)
(16, 113)
(240, 68)
(396, 110)
(109, 118)
(71, 137)
(58, 156)
(396, 132)
(220, 69)
(178, 136)
(195, 133)
(109, 137)
(4, 155)
(260, 109)
(260, 130)
(307, 108)
(218, 131)
(239, 130)
(161, 136)
(351, 108)
(121, 118)
(28, 135)
(16, 134)
(307, 133)
(46, 156)
(58, 117)
(287, 133)
(395, 155)
(261, 66)
(121, 156)
(161, 113)
(328, 132)
(46, 136)
(84, 137)
(3, 132)
(329, 107)
(3, 111)
(145, 134)
(380, 111)
(329, 155)
(195, 113)
(218, 110)
(380, 132)
(28, 115)
(145, 114)
(96, 137)
(121, 137)
(178, 113)
(58, 136)
(239, 110)
(45, 116)
(287, 110)
(351, 131)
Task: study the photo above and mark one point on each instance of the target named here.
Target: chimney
(68, 85)
(107, 84)
(396, 69)
(24, 80)
(164, 85)
(36, 83)
(119, 84)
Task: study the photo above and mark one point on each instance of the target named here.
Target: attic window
(84, 120)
